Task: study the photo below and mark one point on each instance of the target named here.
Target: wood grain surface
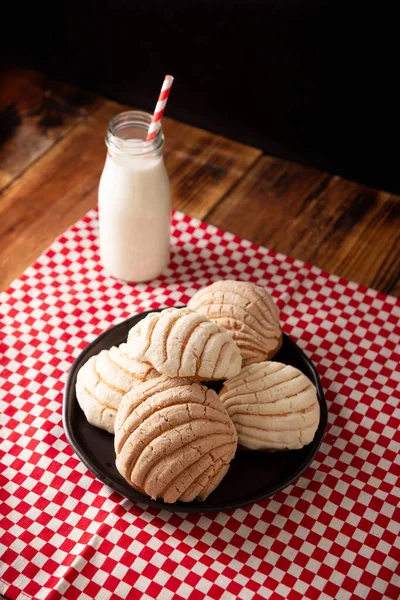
(338, 225)
(52, 153)
(34, 114)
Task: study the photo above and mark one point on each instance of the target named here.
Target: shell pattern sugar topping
(104, 379)
(247, 312)
(181, 343)
(173, 439)
(273, 406)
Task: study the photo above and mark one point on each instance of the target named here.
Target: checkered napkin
(332, 535)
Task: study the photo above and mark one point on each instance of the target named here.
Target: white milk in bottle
(134, 201)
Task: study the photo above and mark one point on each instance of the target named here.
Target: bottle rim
(133, 146)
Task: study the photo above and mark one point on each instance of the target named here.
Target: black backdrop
(312, 81)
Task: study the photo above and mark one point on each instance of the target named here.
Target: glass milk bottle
(134, 201)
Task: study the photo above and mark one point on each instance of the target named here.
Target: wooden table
(52, 153)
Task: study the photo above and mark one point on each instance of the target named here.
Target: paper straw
(160, 107)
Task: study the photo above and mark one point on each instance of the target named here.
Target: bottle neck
(126, 136)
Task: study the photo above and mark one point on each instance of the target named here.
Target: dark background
(311, 81)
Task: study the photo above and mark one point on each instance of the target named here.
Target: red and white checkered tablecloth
(332, 535)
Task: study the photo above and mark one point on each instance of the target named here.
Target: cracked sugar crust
(273, 406)
(181, 343)
(247, 312)
(104, 379)
(174, 440)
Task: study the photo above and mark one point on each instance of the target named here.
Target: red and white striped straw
(160, 107)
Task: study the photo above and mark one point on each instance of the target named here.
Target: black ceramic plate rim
(178, 506)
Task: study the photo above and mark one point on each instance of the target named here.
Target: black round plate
(252, 476)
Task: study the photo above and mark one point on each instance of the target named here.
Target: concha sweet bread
(173, 439)
(247, 312)
(181, 343)
(104, 379)
(273, 406)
